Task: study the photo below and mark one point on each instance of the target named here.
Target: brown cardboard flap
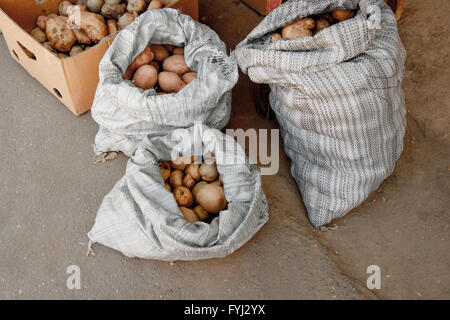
(81, 73)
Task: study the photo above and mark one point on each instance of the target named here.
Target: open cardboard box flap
(72, 80)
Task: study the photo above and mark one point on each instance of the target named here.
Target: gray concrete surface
(50, 189)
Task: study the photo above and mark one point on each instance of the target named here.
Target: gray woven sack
(141, 218)
(126, 114)
(337, 97)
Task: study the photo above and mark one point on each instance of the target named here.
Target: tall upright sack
(337, 97)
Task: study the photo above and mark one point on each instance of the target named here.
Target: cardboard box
(72, 80)
(263, 6)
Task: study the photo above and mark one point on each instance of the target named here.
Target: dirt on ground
(51, 188)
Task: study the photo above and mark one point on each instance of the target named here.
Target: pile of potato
(174, 75)
(197, 188)
(78, 27)
(310, 26)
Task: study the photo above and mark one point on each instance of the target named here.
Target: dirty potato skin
(142, 59)
(59, 35)
(145, 77)
(188, 77)
(126, 19)
(275, 37)
(62, 8)
(161, 52)
(300, 28)
(170, 82)
(176, 64)
(136, 6)
(165, 170)
(39, 35)
(342, 15)
(92, 23)
(201, 212)
(82, 36)
(183, 196)
(113, 11)
(189, 215)
(41, 22)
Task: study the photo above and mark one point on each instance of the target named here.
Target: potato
(212, 198)
(155, 4)
(95, 6)
(188, 77)
(192, 170)
(112, 26)
(144, 58)
(52, 15)
(176, 64)
(126, 19)
(189, 215)
(307, 23)
(183, 196)
(100, 18)
(201, 213)
(59, 35)
(188, 181)
(161, 53)
(275, 37)
(145, 77)
(321, 24)
(63, 18)
(76, 50)
(62, 8)
(39, 35)
(48, 46)
(169, 47)
(81, 2)
(297, 29)
(176, 178)
(342, 15)
(41, 21)
(82, 36)
(178, 50)
(136, 6)
(113, 1)
(93, 24)
(155, 64)
(170, 82)
(199, 186)
(208, 172)
(181, 163)
(328, 17)
(168, 187)
(113, 11)
(63, 55)
(165, 170)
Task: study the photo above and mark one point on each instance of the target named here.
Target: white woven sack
(126, 114)
(337, 97)
(141, 218)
